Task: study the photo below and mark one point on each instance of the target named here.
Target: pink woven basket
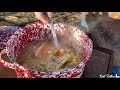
(39, 31)
(5, 33)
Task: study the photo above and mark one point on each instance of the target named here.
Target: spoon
(54, 37)
(84, 23)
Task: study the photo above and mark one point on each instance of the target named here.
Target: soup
(40, 56)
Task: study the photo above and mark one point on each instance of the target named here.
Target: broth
(38, 56)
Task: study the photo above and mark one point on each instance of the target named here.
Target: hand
(44, 16)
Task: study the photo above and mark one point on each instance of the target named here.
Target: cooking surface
(100, 63)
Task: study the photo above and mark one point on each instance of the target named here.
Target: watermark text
(109, 76)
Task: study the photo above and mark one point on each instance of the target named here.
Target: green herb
(54, 52)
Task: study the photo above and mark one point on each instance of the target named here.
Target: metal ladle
(54, 34)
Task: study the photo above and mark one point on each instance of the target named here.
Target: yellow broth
(37, 56)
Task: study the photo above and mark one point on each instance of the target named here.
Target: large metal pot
(39, 31)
